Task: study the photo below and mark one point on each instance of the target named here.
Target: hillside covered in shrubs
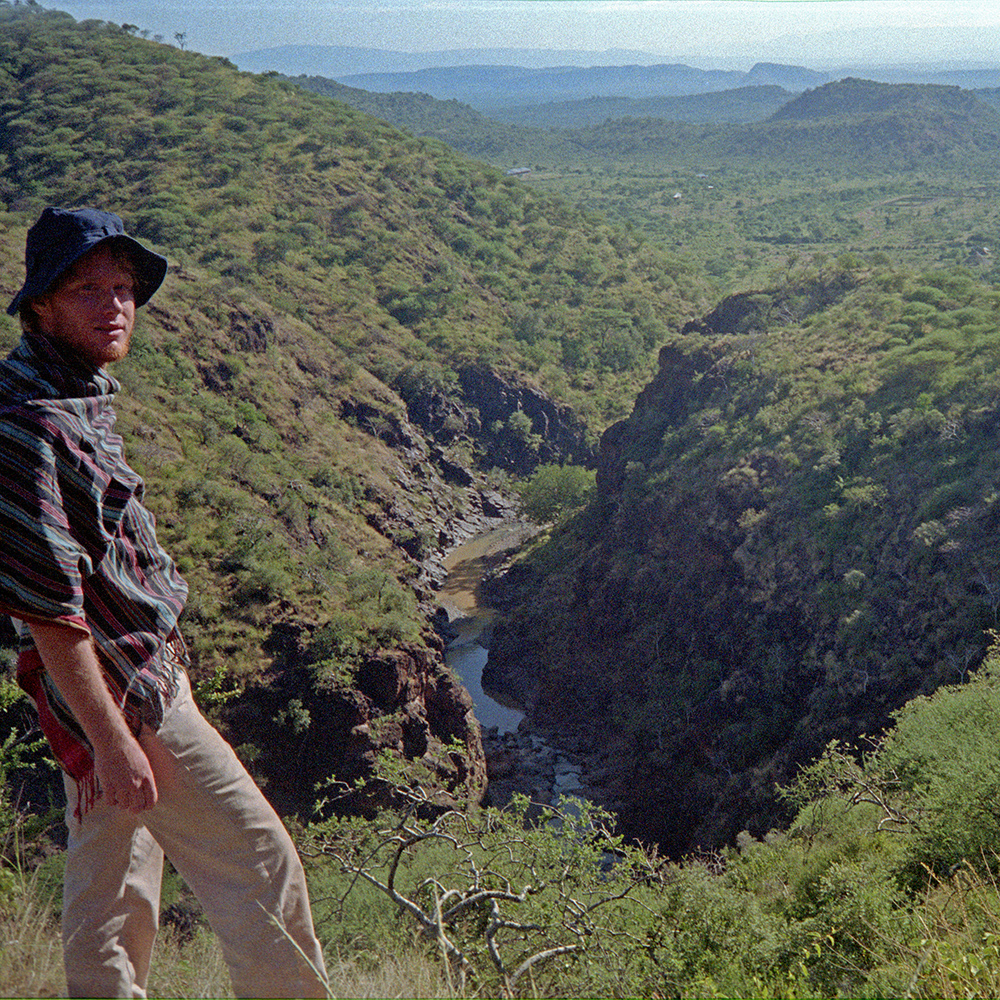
(357, 328)
(794, 533)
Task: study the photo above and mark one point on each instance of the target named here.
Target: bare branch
(514, 893)
(539, 957)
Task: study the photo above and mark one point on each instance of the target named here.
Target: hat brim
(149, 271)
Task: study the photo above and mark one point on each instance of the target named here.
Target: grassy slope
(317, 254)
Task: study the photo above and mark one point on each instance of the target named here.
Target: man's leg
(233, 851)
(111, 901)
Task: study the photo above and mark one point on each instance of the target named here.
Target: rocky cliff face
(612, 660)
(446, 436)
(479, 408)
(556, 434)
(721, 612)
(318, 740)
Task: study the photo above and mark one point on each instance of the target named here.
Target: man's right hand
(124, 774)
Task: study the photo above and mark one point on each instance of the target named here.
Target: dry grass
(959, 953)
(407, 975)
(30, 943)
(194, 968)
(31, 962)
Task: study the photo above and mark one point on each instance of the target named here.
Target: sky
(703, 33)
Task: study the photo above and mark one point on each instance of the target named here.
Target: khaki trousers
(226, 842)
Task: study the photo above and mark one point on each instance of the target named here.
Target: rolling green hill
(452, 122)
(861, 167)
(852, 96)
(849, 123)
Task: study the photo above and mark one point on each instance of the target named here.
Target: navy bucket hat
(62, 236)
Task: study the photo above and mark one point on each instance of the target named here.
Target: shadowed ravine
(519, 760)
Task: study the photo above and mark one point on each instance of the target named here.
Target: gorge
(366, 337)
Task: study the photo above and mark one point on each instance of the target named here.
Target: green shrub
(943, 752)
(930, 787)
(552, 492)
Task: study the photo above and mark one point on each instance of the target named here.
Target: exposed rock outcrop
(327, 737)
(527, 763)
(441, 497)
(479, 409)
(559, 435)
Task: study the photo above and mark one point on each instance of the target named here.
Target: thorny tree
(507, 896)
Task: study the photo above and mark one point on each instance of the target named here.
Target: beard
(113, 352)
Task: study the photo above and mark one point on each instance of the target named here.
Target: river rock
(529, 764)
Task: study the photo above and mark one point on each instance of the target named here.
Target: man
(95, 601)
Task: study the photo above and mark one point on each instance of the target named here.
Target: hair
(28, 317)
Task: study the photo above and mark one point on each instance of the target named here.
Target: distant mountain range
(847, 120)
(336, 61)
(494, 80)
(744, 104)
(490, 87)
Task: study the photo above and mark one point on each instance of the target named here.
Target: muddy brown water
(468, 651)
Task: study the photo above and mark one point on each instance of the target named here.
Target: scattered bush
(553, 492)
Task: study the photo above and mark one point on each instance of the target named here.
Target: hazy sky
(819, 33)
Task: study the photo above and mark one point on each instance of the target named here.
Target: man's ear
(41, 309)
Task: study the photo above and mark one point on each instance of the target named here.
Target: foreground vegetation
(883, 886)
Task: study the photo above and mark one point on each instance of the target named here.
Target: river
(546, 774)
(467, 651)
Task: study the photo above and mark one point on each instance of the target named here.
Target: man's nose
(112, 298)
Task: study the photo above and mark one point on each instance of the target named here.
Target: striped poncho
(76, 544)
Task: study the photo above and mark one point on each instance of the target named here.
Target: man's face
(92, 309)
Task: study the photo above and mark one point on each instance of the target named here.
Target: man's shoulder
(27, 417)
(28, 392)
(21, 377)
